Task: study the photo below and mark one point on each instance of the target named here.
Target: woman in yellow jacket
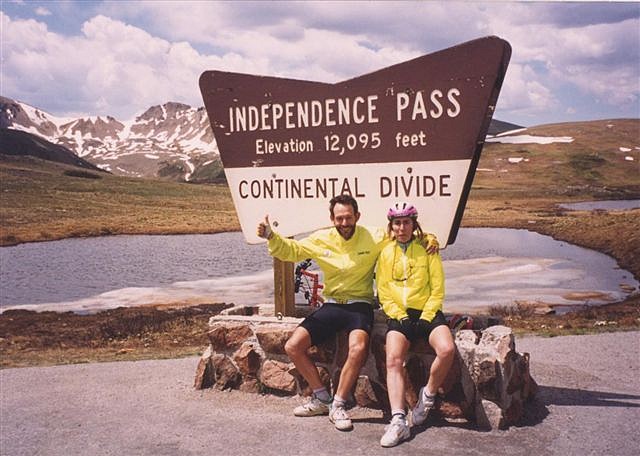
(411, 290)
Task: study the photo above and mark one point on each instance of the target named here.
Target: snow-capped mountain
(172, 141)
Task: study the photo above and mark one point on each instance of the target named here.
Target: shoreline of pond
(515, 266)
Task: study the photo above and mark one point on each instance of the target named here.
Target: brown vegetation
(31, 338)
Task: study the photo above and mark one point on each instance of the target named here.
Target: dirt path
(589, 403)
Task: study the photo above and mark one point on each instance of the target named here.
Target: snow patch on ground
(511, 132)
(529, 139)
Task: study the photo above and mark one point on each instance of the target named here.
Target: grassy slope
(590, 167)
(38, 201)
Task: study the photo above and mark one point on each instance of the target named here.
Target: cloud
(42, 11)
(523, 94)
(602, 60)
(123, 69)
(329, 42)
(579, 14)
(112, 68)
(283, 39)
(126, 56)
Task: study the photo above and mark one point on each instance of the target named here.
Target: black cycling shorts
(414, 332)
(332, 318)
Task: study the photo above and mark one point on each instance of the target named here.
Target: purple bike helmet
(402, 210)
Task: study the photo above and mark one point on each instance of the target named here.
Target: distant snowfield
(528, 139)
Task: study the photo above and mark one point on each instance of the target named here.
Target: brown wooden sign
(410, 132)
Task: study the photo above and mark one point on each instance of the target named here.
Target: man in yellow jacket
(347, 254)
(411, 290)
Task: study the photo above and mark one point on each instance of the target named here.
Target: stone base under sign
(488, 383)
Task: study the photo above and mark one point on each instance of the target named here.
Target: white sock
(322, 394)
(338, 401)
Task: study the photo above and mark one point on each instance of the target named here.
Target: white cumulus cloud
(42, 11)
(573, 59)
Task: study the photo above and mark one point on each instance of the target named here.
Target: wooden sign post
(283, 289)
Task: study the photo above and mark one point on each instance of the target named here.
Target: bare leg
(358, 352)
(296, 347)
(442, 342)
(397, 348)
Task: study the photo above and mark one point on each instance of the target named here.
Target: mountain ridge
(172, 141)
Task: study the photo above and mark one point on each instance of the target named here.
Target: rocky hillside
(172, 141)
(15, 142)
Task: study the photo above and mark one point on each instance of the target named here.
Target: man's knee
(291, 348)
(298, 343)
(394, 362)
(359, 348)
(442, 342)
(446, 350)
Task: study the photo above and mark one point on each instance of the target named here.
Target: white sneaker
(339, 417)
(314, 407)
(421, 410)
(396, 432)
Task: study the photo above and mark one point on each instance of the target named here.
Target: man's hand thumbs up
(264, 228)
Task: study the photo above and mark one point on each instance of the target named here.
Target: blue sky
(571, 61)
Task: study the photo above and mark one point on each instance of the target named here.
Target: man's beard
(346, 231)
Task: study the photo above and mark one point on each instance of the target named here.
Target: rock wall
(488, 383)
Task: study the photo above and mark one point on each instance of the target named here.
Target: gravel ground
(589, 403)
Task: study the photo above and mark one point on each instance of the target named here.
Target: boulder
(250, 385)
(496, 375)
(229, 335)
(273, 337)
(275, 375)
(489, 381)
(204, 371)
(248, 359)
(368, 395)
(225, 373)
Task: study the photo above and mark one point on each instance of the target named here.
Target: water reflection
(495, 266)
(609, 205)
(78, 268)
(485, 267)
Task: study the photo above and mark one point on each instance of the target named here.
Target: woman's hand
(433, 246)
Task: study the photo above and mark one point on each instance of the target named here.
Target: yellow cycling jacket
(410, 279)
(347, 265)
